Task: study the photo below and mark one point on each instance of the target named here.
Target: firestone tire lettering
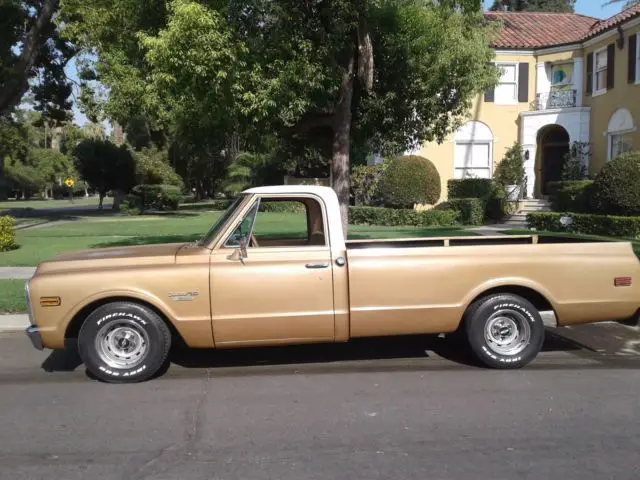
(476, 318)
(159, 342)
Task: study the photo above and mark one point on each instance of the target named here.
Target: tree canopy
(215, 78)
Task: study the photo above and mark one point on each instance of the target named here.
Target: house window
(473, 151)
(620, 133)
(620, 143)
(600, 71)
(507, 90)
(562, 75)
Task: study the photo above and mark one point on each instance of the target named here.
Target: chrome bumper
(33, 333)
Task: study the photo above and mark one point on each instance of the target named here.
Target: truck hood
(112, 257)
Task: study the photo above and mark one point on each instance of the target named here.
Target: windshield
(229, 212)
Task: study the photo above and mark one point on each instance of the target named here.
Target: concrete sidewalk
(16, 273)
(14, 323)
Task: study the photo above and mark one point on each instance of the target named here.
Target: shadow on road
(401, 347)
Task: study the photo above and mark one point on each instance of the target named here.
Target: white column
(578, 79)
(543, 84)
(530, 169)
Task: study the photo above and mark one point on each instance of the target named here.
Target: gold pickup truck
(254, 281)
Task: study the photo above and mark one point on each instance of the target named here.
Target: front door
(552, 164)
(282, 291)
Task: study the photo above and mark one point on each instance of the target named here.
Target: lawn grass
(49, 204)
(634, 242)
(12, 299)
(39, 244)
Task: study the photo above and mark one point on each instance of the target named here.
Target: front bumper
(33, 333)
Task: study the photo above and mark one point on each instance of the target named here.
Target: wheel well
(538, 300)
(73, 329)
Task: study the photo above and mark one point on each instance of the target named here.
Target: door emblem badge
(183, 296)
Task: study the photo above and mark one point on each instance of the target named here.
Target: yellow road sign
(69, 182)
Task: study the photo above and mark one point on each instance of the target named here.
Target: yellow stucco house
(565, 78)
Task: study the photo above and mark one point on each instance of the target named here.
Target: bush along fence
(392, 217)
(476, 200)
(586, 224)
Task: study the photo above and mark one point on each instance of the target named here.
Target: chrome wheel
(122, 344)
(507, 332)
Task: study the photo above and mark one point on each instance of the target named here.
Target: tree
(560, 6)
(626, 3)
(32, 49)
(338, 77)
(105, 167)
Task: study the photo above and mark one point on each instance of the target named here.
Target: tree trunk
(101, 194)
(117, 200)
(3, 182)
(341, 140)
(12, 92)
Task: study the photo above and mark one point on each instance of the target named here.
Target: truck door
(272, 280)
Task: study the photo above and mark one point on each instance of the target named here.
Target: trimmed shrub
(7, 234)
(470, 188)
(490, 192)
(391, 217)
(510, 171)
(588, 224)
(282, 207)
(154, 197)
(616, 189)
(365, 181)
(470, 211)
(219, 204)
(570, 196)
(409, 180)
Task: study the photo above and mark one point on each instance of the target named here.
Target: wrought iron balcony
(556, 99)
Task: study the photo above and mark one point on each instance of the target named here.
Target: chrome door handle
(317, 265)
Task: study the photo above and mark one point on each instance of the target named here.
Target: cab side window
(290, 222)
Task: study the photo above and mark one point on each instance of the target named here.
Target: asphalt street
(403, 408)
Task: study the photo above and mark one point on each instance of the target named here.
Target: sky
(592, 8)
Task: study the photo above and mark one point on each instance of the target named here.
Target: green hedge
(570, 196)
(470, 211)
(490, 192)
(470, 188)
(220, 204)
(7, 234)
(588, 224)
(282, 207)
(154, 197)
(401, 217)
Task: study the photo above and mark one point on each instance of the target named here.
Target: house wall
(502, 120)
(623, 95)
(591, 120)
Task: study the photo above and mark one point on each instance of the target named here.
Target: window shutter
(490, 96)
(590, 74)
(611, 65)
(633, 58)
(523, 83)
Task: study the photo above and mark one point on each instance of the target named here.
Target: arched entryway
(553, 145)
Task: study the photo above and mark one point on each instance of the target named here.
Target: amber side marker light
(622, 281)
(50, 301)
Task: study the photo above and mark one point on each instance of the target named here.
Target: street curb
(14, 323)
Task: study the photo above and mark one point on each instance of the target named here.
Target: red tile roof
(538, 29)
(614, 21)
